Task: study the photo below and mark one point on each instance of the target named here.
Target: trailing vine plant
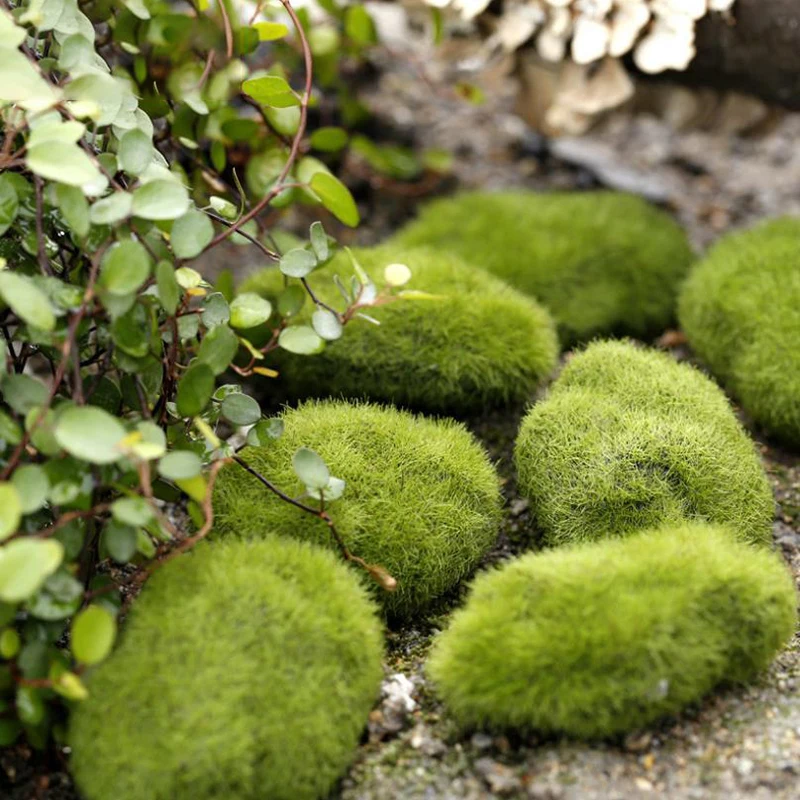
(136, 137)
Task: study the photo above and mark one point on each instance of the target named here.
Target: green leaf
(29, 705)
(135, 511)
(99, 89)
(10, 432)
(74, 208)
(32, 485)
(216, 310)
(125, 267)
(336, 197)
(291, 300)
(298, 263)
(334, 490)
(358, 25)
(301, 340)
(270, 31)
(311, 469)
(218, 348)
(131, 331)
(249, 310)
(27, 300)
(328, 140)
(265, 431)
(92, 634)
(62, 162)
(9, 644)
(327, 324)
(25, 564)
(191, 233)
(135, 152)
(160, 200)
(112, 209)
(22, 392)
(9, 204)
(240, 409)
(10, 510)
(169, 291)
(91, 434)
(180, 465)
(120, 540)
(270, 90)
(195, 388)
(319, 241)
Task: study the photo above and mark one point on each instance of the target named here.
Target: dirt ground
(740, 743)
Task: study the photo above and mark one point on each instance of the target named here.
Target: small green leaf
(125, 267)
(336, 197)
(119, 540)
(301, 340)
(265, 431)
(30, 706)
(328, 140)
(319, 241)
(135, 511)
(91, 434)
(191, 233)
(270, 31)
(311, 469)
(169, 291)
(10, 510)
(9, 204)
(111, 209)
(160, 200)
(217, 349)
(298, 263)
(9, 644)
(63, 162)
(327, 324)
(74, 208)
(180, 465)
(135, 152)
(358, 25)
(32, 485)
(216, 310)
(249, 310)
(25, 564)
(92, 634)
(195, 388)
(334, 490)
(291, 300)
(270, 90)
(240, 409)
(27, 300)
(23, 392)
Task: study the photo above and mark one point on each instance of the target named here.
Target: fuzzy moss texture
(481, 343)
(740, 309)
(601, 262)
(246, 671)
(629, 439)
(421, 499)
(600, 639)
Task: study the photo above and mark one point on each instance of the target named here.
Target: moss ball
(600, 639)
(740, 309)
(630, 439)
(421, 500)
(480, 343)
(601, 262)
(246, 671)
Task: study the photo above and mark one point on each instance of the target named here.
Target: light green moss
(422, 499)
(601, 262)
(246, 671)
(601, 639)
(480, 344)
(740, 308)
(630, 439)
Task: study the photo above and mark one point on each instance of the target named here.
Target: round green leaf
(298, 263)
(160, 200)
(241, 409)
(195, 388)
(135, 511)
(319, 241)
(32, 485)
(180, 465)
(24, 392)
(191, 233)
(25, 564)
(169, 291)
(301, 340)
(120, 540)
(328, 140)
(92, 635)
(27, 300)
(74, 208)
(249, 310)
(216, 310)
(311, 469)
(269, 90)
(327, 324)
(111, 209)
(270, 31)
(125, 267)
(265, 431)
(10, 509)
(9, 203)
(63, 162)
(91, 434)
(218, 348)
(336, 197)
(135, 152)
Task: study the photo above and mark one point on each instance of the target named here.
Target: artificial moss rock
(630, 439)
(600, 639)
(740, 309)
(246, 671)
(601, 262)
(479, 344)
(421, 500)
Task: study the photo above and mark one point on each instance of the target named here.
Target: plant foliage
(601, 639)
(630, 439)
(740, 308)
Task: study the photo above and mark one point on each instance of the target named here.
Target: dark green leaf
(336, 197)
(217, 349)
(119, 540)
(195, 388)
(125, 267)
(191, 233)
(241, 409)
(169, 291)
(27, 300)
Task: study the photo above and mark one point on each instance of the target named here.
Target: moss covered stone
(246, 671)
(630, 439)
(481, 343)
(740, 308)
(422, 499)
(600, 639)
(601, 262)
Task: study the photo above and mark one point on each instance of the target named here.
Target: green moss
(422, 499)
(629, 439)
(246, 671)
(601, 262)
(740, 308)
(600, 639)
(480, 344)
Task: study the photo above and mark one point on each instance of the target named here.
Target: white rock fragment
(590, 40)
(720, 5)
(665, 47)
(694, 9)
(626, 25)
(397, 691)
(551, 43)
(517, 26)
(469, 9)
